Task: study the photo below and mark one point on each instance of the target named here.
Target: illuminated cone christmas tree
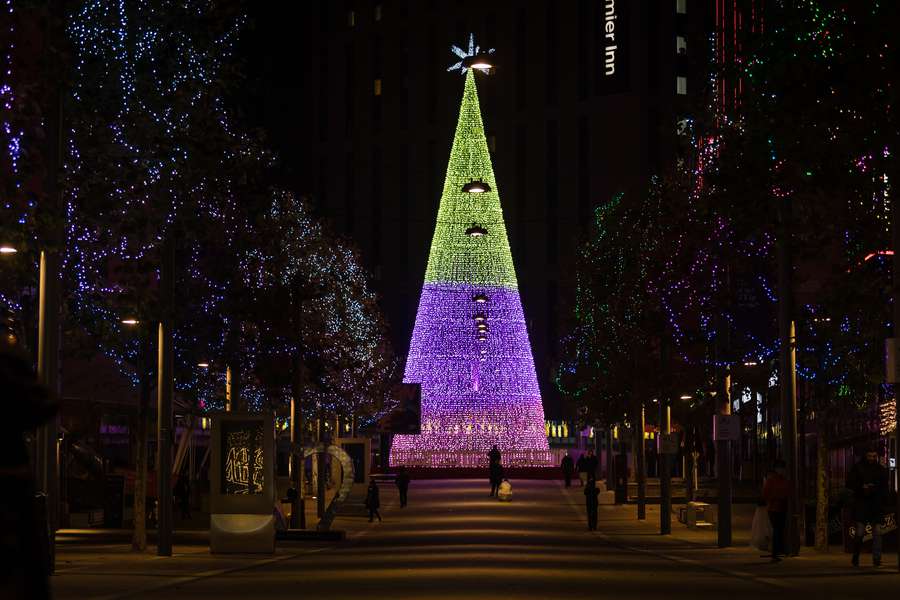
(470, 349)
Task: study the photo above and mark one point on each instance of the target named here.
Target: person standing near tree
(868, 479)
(402, 482)
(568, 469)
(775, 492)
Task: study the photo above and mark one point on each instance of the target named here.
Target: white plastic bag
(761, 529)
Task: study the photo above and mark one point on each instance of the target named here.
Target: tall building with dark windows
(582, 104)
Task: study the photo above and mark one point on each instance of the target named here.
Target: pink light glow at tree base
(470, 349)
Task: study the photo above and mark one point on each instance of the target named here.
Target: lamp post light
(481, 61)
(8, 249)
(476, 231)
(476, 186)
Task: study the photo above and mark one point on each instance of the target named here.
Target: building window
(377, 87)
(681, 7)
(681, 85)
(377, 12)
(351, 18)
(680, 44)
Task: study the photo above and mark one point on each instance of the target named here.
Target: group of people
(867, 480)
(586, 466)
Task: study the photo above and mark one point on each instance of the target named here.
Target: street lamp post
(165, 391)
(787, 375)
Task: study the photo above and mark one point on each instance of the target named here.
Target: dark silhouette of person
(776, 491)
(494, 454)
(183, 493)
(402, 482)
(591, 464)
(496, 476)
(591, 502)
(868, 479)
(25, 543)
(373, 501)
(568, 469)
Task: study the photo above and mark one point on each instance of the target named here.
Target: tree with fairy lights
(820, 121)
(470, 350)
(316, 317)
(157, 160)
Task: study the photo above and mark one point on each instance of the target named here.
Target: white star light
(463, 55)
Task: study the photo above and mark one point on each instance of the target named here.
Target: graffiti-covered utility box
(242, 483)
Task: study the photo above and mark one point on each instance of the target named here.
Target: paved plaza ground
(454, 541)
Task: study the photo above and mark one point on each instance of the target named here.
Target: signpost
(242, 490)
(727, 428)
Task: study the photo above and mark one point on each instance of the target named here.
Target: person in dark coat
(582, 471)
(776, 491)
(494, 454)
(373, 501)
(591, 464)
(868, 480)
(24, 543)
(568, 469)
(402, 482)
(496, 475)
(591, 502)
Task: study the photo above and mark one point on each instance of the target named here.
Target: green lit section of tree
(455, 256)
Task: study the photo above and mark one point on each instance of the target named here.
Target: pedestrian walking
(582, 470)
(591, 502)
(568, 469)
(496, 476)
(373, 501)
(402, 482)
(775, 492)
(868, 479)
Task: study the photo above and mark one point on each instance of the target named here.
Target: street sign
(667, 443)
(726, 428)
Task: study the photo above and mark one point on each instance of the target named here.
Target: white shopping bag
(761, 530)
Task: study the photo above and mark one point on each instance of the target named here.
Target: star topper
(472, 52)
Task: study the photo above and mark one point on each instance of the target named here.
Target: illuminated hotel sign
(615, 41)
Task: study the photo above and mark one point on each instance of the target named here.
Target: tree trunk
(822, 490)
(139, 535)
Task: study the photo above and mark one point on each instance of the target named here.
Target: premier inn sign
(615, 42)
